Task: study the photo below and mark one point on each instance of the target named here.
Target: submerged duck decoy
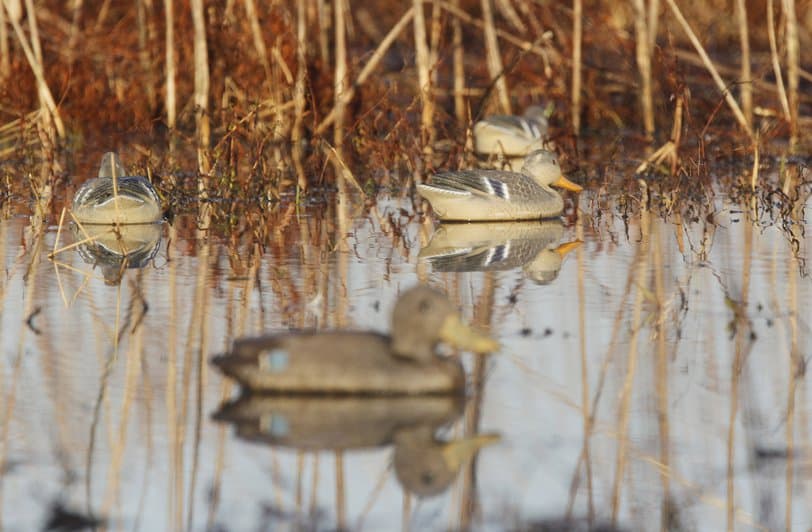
(116, 249)
(535, 246)
(511, 135)
(497, 195)
(424, 464)
(116, 198)
(348, 362)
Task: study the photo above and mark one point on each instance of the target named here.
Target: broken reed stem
(737, 112)
(793, 67)
(644, 66)
(577, 38)
(44, 92)
(779, 78)
(459, 67)
(340, 76)
(422, 60)
(376, 57)
(171, 105)
(299, 95)
(494, 58)
(746, 85)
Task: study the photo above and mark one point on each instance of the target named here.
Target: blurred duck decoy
(424, 464)
(497, 195)
(348, 362)
(116, 198)
(510, 135)
(533, 246)
(116, 249)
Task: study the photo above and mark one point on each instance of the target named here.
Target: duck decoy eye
(424, 305)
(427, 477)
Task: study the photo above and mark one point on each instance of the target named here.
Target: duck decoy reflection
(348, 362)
(497, 195)
(116, 198)
(533, 246)
(424, 464)
(114, 249)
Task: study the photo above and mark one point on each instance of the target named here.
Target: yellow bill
(566, 184)
(458, 334)
(565, 248)
(456, 453)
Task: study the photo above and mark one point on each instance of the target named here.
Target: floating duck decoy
(533, 246)
(115, 249)
(116, 198)
(497, 195)
(511, 135)
(347, 362)
(424, 465)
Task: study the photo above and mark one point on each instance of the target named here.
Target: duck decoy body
(116, 198)
(348, 362)
(511, 135)
(497, 195)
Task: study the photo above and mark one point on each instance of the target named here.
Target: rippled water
(653, 378)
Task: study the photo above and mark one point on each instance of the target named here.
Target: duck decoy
(535, 246)
(511, 135)
(116, 198)
(349, 362)
(498, 195)
(424, 464)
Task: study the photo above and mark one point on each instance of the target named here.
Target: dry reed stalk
(661, 370)
(422, 62)
(340, 82)
(324, 26)
(734, 107)
(779, 77)
(5, 61)
(175, 476)
(631, 367)
(145, 34)
(341, 496)
(169, 43)
(376, 57)
(643, 54)
(256, 34)
(73, 35)
(652, 23)
(296, 137)
(494, 58)
(459, 67)
(793, 67)
(577, 42)
(201, 92)
(746, 87)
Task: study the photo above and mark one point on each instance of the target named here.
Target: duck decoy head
(423, 317)
(111, 166)
(543, 167)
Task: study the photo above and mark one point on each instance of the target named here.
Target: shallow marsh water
(655, 379)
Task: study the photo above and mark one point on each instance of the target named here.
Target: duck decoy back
(497, 195)
(116, 198)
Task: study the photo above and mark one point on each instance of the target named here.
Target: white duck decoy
(116, 198)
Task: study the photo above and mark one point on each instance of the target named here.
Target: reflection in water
(533, 246)
(115, 249)
(643, 388)
(423, 464)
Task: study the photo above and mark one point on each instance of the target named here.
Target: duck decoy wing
(481, 183)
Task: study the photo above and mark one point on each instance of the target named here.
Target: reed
(746, 87)
(423, 63)
(577, 41)
(643, 49)
(296, 132)
(793, 67)
(459, 67)
(169, 45)
(494, 58)
(339, 82)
